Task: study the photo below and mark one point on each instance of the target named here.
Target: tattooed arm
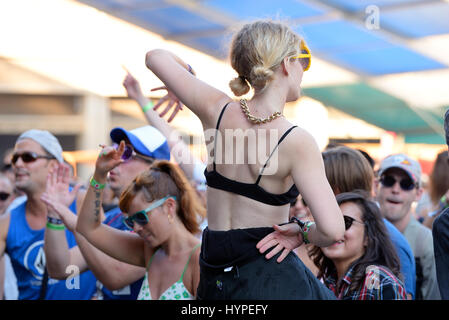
(121, 245)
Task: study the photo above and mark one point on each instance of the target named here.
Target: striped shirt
(380, 284)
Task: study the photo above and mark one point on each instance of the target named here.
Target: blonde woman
(244, 200)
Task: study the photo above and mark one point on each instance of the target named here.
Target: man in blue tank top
(117, 280)
(22, 230)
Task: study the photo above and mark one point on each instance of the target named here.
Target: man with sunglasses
(399, 185)
(36, 153)
(117, 280)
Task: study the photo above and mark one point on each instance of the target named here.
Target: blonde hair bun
(239, 86)
(261, 76)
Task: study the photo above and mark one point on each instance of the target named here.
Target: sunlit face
(352, 247)
(31, 176)
(158, 227)
(124, 174)
(395, 203)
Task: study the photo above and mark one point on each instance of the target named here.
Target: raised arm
(203, 99)
(121, 245)
(180, 150)
(58, 198)
(310, 178)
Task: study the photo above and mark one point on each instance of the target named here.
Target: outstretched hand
(172, 100)
(285, 237)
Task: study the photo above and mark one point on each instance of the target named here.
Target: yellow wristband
(148, 106)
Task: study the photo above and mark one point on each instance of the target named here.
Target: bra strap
(272, 152)
(216, 130)
(187, 264)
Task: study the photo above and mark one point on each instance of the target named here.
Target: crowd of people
(295, 223)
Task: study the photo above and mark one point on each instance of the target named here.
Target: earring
(170, 219)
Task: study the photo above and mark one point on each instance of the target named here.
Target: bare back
(242, 149)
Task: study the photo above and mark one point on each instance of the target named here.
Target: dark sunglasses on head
(348, 222)
(141, 217)
(29, 157)
(129, 153)
(406, 184)
(4, 196)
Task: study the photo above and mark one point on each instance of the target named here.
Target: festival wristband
(96, 184)
(148, 106)
(55, 226)
(55, 221)
(305, 231)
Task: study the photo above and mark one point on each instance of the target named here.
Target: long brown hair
(379, 249)
(163, 179)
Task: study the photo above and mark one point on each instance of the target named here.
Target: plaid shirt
(380, 284)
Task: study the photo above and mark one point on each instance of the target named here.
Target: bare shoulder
(300, 144)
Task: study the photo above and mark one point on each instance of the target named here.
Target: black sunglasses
(4, 196)
(348, 222)
(406, 184)
(29, 157)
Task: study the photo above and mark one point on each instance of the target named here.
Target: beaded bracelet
(148, 106)
(55, 226)
(96, 184)
(54, 221)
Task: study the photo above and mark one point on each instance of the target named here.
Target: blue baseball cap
(147, 141)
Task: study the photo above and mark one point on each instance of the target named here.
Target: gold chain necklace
(254, 119)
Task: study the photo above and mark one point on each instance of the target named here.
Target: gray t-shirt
(420, 239)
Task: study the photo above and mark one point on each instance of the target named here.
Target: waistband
(223, 249)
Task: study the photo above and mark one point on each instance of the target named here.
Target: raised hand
(132, 87)
(172, 100)
(286, 237)
(109, 158)
(57, 189)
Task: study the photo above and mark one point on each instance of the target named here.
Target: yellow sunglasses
(305, 57)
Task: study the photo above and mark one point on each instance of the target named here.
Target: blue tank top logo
(34, 259)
